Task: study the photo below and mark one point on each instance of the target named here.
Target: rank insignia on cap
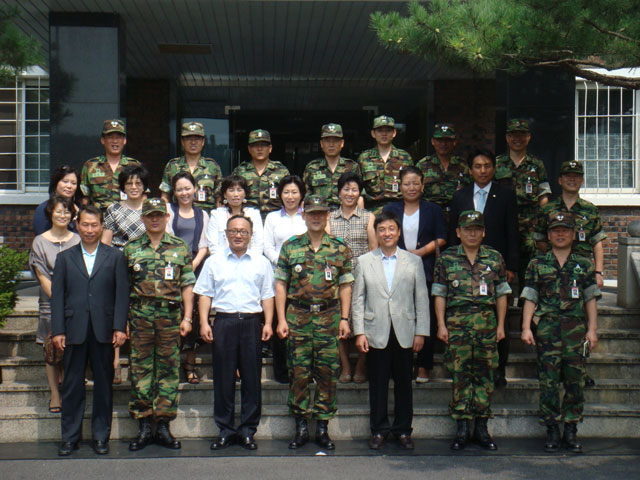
(316, 200)
(193, 126)
(114, 123)
(259, 134)
(298, 268)
(331, 128)
(155, 202)
(137, 267)
(560, 217)
(444, 128)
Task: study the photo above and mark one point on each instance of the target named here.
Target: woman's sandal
(190, 372)
(54, 409)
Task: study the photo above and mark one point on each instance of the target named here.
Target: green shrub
(11, 264)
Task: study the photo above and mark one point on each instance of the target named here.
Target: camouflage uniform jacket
(550, 286)
(382, 179)
(528, 180)
(319, 179)
(460, 282)
(440, 184)
(100, 183)
(304, 270)
(208, 177)
(148, 268)
(587, 220)
(260, 186)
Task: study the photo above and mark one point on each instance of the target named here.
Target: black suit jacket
(500, 219)
(77, 298)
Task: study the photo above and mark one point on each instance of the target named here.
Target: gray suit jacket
(374, 308)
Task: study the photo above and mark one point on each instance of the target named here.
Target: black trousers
(237, 345)
(425, 356)
(73, 389)
(395, 362)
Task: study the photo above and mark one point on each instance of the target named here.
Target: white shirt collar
(486, 188)
(84, 252)
(393, 255)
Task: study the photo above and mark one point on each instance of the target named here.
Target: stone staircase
(612, 406)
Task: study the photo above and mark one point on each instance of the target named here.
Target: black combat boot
(302, 434)
(569, 441)
(164, 437)
(144, 437)
(462, 435)
(481, 434)
(322, 435)
(553, 438)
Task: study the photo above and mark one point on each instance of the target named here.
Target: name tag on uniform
(168, 272)
(202, 195)
(123, 196)
(394, 185)
(528, 188)
(328, 276)
(582, 236)
(575, 291)
(273, 192)
(484, 290)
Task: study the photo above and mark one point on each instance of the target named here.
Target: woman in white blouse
(280, 226)
(234, 192)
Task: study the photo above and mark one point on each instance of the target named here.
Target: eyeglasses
(62, 213)
(234, 232)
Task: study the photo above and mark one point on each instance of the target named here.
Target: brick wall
(17, 226)
(615, 221)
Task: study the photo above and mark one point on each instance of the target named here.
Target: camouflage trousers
(471, 358)
(312, 351)
(155, 359)
(559, 344)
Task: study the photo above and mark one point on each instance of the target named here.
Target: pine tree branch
(613, 80)
(610, 33)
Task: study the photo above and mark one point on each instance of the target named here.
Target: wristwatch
(186, 319)
(344, 319)
(598, 272)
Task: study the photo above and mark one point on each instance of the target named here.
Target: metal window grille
(24, 135)
(607, 137)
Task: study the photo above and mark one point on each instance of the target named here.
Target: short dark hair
(233, 217)
(234, 181)
(58, 174)
(91, 210)
(485, 152)
(383, 217)
(348, 177)
(411, 169)
(181, 175)
(54, 200)
(297, 181)
(129, 171)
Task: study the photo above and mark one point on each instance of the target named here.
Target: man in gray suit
(390, 311)
(89, 308)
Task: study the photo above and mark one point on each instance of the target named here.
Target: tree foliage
(514, 35)
(11, 264)
(17, 50)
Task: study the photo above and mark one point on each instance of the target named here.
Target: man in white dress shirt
(239, 284)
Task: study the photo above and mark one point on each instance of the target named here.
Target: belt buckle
(315, 308)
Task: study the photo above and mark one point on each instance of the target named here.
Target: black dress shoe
(302, 434)
(462, 435)
(164, 437)
(405, 442)
(376, 441)
(589, 382)
(144, 437)
(248, 443)
(500, 379)
(223, 442)
(101, 447)
(322, 435)
(66, 448)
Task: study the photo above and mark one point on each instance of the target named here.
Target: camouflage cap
(115, 125)
(572, 166)
(192, 128)
(315, 203)
(383, 121)
(444, 130)
(518, 125)
(151, 205)
(331, 130)
(471, 218)
(259, 135)
(560, 219)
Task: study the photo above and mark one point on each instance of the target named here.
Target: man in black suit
(499, 206)
(89, 307)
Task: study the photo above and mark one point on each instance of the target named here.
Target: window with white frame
(24, 133)
(607, 137)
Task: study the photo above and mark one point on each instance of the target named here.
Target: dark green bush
(11, 264)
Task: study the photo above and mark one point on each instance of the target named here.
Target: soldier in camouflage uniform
(205, 171)
(560, 289)
(99, 176)
(381, 165)
(161, 277)
(262, 174)
(470, 294)
(314, 277)
(443, 172)
(526, 175)
(321, 175)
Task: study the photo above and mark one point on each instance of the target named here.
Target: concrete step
(29, 424)
(14, 343)
(438, 392)
(22, 320)
(609, 317)
(609, 341)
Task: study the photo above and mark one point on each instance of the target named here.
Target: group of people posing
(351, 254)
